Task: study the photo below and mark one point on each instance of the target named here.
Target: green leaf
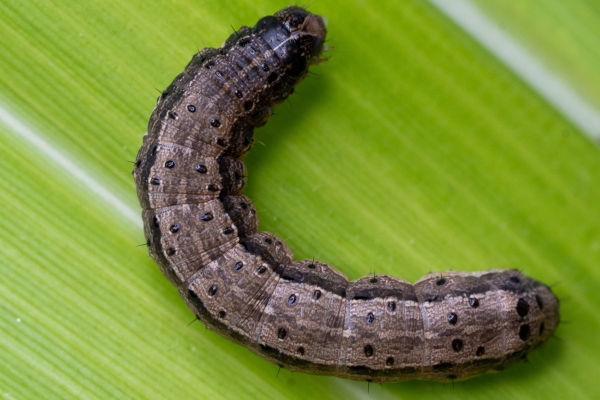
(412, 149)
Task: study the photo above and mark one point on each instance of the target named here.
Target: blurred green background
(412, 149)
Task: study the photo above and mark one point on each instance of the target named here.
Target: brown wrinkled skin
(303, 315)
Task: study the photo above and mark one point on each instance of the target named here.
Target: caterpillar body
(303, 315)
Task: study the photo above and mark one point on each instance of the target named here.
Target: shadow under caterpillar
(303, 315)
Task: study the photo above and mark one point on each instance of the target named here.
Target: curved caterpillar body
(303, 315)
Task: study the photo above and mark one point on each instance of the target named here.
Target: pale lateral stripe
(62, 160)
(548, 85)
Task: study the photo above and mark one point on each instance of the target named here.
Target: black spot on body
(457, 345)
(215, 123)
(300, 350)
(228, 230)
(222, 314)
(522, 307)
(212, 188)
(539, 301)
(171, 251)
(524, 332)
(155, 181)
(368, 349)
(238, 265)
(370, 318)
(201, 168)
(261, 270)
(207, 216)
(317, 294)
(389, 361)
(174, 228)
(191, 108)
(452, 318)
(281, 333)
(473, 302)
(292, 300)
(212, 290)
(173, 115)
(440, 281)
(391, 306)
(170, 164)
(480, 351)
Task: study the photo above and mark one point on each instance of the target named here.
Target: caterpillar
(303, 315)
